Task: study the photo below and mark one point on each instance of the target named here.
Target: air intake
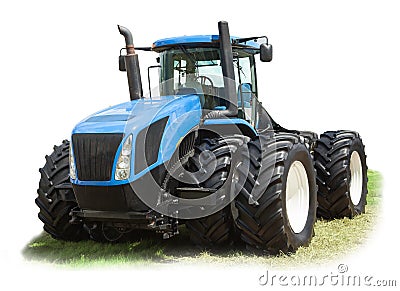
(95, 154)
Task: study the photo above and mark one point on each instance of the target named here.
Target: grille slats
(95, 154)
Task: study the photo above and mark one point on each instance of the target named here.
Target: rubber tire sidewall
(357, 146)
(300, 153)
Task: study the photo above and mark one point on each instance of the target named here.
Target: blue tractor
(204, 153)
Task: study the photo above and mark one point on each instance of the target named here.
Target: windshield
(181, 69)
(198, 70)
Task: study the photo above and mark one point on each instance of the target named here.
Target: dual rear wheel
(277, 205)
(275, 209)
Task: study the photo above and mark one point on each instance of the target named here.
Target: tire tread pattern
(54, 207)
(331, 156)
(262, 226)
(215, 229)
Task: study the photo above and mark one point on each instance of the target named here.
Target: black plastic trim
(148, 143)
(120, 198)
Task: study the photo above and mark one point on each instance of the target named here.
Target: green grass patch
(374, 187)
(47, 249)
(332, 240)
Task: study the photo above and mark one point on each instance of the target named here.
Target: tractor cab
(195, 65)
(192, 65)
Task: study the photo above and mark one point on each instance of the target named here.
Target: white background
(336, 66)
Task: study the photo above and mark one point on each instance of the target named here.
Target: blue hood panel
(184, 113)
(114, 119)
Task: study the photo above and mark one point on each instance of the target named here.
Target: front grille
(95, 154)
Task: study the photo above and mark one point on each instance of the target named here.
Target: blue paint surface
(184, 113)
(189, 39)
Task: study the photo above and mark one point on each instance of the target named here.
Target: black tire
(56, 197)
(310, 139)
(266, 226)
(216, 229)
(332, 156)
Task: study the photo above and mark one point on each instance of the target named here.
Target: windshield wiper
(189, 55)
(240, 67)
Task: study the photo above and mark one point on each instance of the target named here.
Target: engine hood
(182, 113)
(137, 113)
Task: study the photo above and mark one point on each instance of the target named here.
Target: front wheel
(283, 217)
(56, 198)
(215, 229)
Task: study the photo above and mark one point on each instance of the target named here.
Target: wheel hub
(356, 180)
(297, 196)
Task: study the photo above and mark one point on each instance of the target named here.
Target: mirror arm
(245, 39)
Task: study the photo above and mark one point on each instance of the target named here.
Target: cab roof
(197, 39)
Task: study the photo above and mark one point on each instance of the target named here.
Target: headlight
(123, 168)
(72, 167)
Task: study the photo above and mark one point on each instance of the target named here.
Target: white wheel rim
(297, 196)
(356, 180)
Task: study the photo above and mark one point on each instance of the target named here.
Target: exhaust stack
(228, 70)
(132, 65)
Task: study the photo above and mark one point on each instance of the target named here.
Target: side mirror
(265, 52)
(122, 67)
